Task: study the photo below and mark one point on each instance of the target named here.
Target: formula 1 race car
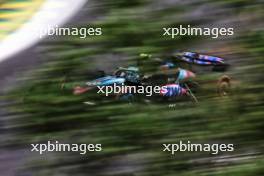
(171, 86)
(125, 76)
(170, 70)
(203, 60)
(121, 77)
(173, 80)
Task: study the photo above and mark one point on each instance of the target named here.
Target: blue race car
(203, 60)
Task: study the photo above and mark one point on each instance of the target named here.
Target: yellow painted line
(14, 19)
(51, 13)
(17, 15)
(13, 15)
(10, 26)
(16, 5)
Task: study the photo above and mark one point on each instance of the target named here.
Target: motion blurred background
(35, 108)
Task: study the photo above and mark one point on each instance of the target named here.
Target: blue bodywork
(200, 59)
(168, 65)
(172, 90)
(106, 81)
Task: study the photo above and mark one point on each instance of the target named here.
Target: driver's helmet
(131, 74)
